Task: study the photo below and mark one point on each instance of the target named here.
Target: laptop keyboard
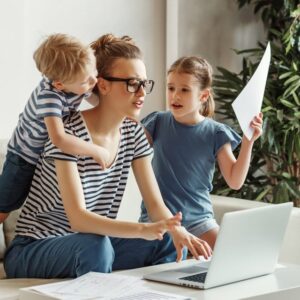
(196, 277)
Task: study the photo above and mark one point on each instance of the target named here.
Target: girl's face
(120, 96)
(185, 97)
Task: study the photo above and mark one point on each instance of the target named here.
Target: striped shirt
(43, 214)
(30, 135)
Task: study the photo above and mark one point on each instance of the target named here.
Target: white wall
(24, 23)
(213, 28)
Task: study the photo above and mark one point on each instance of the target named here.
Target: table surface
(284, 278)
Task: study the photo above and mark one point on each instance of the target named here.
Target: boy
(69, 75)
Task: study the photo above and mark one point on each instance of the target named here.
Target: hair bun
(104, 41)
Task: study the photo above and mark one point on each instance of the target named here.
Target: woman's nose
(141, 91)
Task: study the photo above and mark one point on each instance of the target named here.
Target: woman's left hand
(182, 238)
(257, 124)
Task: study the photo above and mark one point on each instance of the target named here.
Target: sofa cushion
(3, 144)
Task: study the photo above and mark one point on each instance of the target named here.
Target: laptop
(247, 246)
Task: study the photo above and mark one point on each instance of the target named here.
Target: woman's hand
(182, 238)
(153, 231)
(256, 124)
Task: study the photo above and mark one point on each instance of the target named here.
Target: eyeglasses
(134, 84)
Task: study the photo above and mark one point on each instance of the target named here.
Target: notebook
(247, 246)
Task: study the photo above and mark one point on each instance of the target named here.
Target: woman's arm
(73, 145)
(82, 220)
(157, 209)
(235, 170)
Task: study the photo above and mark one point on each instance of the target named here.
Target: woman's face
(122, 101)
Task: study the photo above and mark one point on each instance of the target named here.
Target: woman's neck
(102, 121)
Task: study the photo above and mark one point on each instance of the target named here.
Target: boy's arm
(73, 145)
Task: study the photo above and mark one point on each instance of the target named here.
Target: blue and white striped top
(43, 214)
(30, 135)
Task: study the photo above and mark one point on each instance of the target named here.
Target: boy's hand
(101, 156)
(153, 231)
(256, 124)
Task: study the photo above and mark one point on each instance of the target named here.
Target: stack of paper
(96, 286)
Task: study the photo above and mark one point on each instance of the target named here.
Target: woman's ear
(103, 86)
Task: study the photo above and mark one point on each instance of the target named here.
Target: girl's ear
(103, 86)
(204, 95)
(58, 85)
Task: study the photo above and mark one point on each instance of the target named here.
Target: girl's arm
(157, 209)
(235, 170)
(82, 220)
(73, 145)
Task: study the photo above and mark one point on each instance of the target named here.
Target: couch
(290, 252)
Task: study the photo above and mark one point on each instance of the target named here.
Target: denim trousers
(15, 182)
(78, 253)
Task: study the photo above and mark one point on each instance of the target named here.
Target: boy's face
(83, 83)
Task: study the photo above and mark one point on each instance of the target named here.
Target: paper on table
(92, 285)
(248, 103)
(103, 286)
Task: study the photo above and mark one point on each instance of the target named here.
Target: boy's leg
(15, 182)
(136, 253)
(59, 257)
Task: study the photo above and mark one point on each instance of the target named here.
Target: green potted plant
(274, 174)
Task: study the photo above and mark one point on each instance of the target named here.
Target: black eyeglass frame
(136, 89)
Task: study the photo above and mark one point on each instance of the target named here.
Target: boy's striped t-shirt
(30, 134)
(43, 214)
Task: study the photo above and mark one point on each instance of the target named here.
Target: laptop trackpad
(192, 269)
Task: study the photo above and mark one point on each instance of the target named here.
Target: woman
(67, 225)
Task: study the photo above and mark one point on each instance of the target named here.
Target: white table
(284, 283)
(283, 279)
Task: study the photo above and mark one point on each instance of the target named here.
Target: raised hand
(153, 231)
(257, 124)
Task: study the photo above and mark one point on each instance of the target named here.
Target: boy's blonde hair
(63, 58)
(202, 71)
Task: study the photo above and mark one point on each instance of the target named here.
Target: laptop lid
(247, 246)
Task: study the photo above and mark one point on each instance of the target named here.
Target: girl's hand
(182, 238)
(153, 231)
(256, 124)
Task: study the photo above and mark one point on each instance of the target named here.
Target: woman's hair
(108, 48)
(202, 71)
(63, 57)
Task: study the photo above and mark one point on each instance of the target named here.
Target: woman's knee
(97, 255)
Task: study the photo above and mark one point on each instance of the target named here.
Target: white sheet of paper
(248, 103)
(95, 285)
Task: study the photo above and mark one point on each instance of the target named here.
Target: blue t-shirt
(184, 162)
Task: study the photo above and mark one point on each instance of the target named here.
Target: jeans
(15, 182)
(76, 254)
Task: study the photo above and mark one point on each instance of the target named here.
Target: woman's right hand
(153, 231)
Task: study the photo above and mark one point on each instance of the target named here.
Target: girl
(187, 142)
(67, 226)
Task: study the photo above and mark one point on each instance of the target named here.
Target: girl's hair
(202, 71)
(63, 57)
(108, 48)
